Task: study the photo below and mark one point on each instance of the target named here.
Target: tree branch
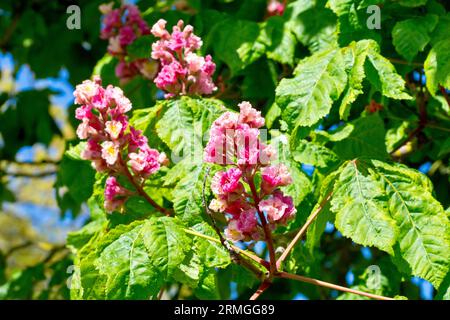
(263, 287)
(321, 283)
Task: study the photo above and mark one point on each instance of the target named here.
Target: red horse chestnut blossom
(112, 144)
(275, 8)
(235, 140)
(183, 72)
(122, 26)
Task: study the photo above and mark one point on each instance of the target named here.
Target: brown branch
(302, 231)
(10, 30)
(263, 287)
(407, 63)
(321, 283)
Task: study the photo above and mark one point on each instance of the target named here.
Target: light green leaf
(361, 211)
(388, 81)
(319, 80)
(424, 230)
(437, 65)
(314, 154)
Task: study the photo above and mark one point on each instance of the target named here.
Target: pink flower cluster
(122, 26)
(275, 8)
(112, 144)
(235, 140)
(183, 72)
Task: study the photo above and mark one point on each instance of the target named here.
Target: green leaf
(166, 243)
(361, 211)
(384, 76)
(234, 42)
(314, 25)
(314, 154)
(301, 185)
(128, 266)
(308, 97)
(365, 141)
(279, 40)
(355, 56)
(437, 65)
(74, 152)
(422, 223)
(412, 35)
(212, 254)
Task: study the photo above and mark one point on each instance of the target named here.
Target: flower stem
(141, 190)
(302, 231)
(267, 232)
(321, 283)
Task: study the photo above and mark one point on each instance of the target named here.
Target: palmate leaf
(437, 65)
(361, 208)
(412, 35)
(391, 207)
(424, 230)
(308, 97)
(355, 56)
(133, 261)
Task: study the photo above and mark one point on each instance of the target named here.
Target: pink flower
(114, 129)
(144, 162)
(275, 8)
(279, 208)
(275, 176)
(268, 154)
(93, 150)
(159, 29)
(250, 116)
(126, 36)
(245, 227)
(169, 75)
(83, 112)
(247, 145)
(183, 71)
(110, 152)
(228, 120)
(85, 91)
(115, 194)
(83, 129)
(136, 140)
(227, 182)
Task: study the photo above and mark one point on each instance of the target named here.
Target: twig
(321, 283)
(302, 231)
(263, 287)
(399, 61)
